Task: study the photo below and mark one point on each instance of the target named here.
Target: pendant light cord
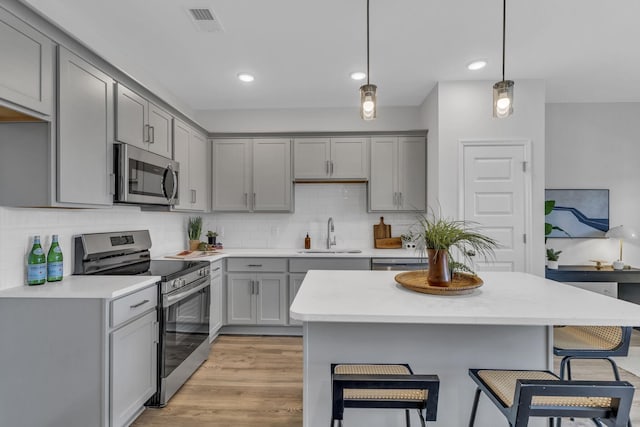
(368, 44)
(504, 30)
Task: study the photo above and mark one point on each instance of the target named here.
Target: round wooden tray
(461, 284)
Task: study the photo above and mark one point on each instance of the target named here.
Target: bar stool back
(520, 395)
(383, 386)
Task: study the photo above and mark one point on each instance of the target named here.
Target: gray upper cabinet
(26, 67)
(252, 175)
(398, 174)
(191, 150)
(331, 158)
(142, 123)
(85, 132)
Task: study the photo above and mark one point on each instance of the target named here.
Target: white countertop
(504, 299)
(99, 287)
(297, 253)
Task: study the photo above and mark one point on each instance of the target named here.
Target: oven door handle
(169, 300)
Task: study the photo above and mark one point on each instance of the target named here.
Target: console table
(628, 280)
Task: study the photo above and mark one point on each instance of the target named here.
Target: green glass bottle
(54, 261)
(36, 264)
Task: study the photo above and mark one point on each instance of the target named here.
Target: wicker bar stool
(590, 342)
(520, 395)
(383, 386)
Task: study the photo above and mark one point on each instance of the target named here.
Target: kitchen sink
(330, 251)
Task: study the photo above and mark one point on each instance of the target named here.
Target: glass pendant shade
(503, 99)
(368, 102)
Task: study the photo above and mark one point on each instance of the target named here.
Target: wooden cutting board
(381, 231)
(390, 243)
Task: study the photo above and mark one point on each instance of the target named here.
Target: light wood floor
(257, 381)
(247, 381)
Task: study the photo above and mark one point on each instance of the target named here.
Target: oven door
(185, 335)
(145, 177)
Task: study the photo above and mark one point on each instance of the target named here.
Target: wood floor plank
(251, 381)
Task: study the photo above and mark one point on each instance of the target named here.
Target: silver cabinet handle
(141, 303)
(400, 199)
(246, 203)
(112, 183)
(216, 269)
(327, 166)
(146, 133)
(193, 196)
(152, 133)
(331, 164)
(254, 265)
(257, 287)
(253, 201)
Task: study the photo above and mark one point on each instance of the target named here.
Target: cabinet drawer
(257, 264)
(132, 305)
(302, 265)
(216, 269)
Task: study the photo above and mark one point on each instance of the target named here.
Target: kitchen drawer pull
(400, 199)
(141, 303)
(331, 164)
(216, 269)
(254, 265)
(145, 133)
(253, 201)
(245, 199)
(193, 196)
(327, 166)
(257, 287)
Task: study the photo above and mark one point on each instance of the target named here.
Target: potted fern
(437, 236)
(194, 230)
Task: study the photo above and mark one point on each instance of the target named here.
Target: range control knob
(175, 284)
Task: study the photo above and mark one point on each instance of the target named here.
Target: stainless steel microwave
(143, 177)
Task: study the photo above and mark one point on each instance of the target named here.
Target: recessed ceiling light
(246, 77)
(358, 75)
(477, 65)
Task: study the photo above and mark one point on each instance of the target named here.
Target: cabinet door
(215, 309)
(349, 158)
(295, 280)
(311, 158)
(85, 132)
(383, 185)
(160, 137)
(199, 171)
(131, 118)
(272, 183)
(182, 139)
(241, 303)
(134, 361)
(232, 174)
(272, 299)
(412, 166)
(26, 67)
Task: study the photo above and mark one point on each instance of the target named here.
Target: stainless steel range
(184, 293)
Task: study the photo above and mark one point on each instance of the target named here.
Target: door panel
(131, 115)
(495, 196)
(160, 141)
(272, 299)
(383, 185)
(232, 175)
(271, 175)
(412, 173)
(240, 299)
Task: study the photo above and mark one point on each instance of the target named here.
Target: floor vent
(205, 20)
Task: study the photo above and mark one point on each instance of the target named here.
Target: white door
(496, 195)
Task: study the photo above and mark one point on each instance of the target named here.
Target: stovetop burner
(168, 270)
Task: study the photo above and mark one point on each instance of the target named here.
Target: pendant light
(368, 91)
(503, 90)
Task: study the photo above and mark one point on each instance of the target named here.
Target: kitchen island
(365, 316)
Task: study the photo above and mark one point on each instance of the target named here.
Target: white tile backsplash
(314, 204)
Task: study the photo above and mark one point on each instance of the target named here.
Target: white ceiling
(302, 51)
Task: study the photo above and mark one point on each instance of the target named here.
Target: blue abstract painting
(580, 213)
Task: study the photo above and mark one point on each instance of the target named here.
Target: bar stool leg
(407, 418)
(422, 421)
(474, 408)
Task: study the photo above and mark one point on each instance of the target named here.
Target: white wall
(308, 120)
(18, 226)
(465, 113)
(596, 146)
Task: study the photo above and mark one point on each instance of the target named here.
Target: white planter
(553, 265)
(618, 265)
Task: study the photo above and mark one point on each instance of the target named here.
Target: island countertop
(506, 298)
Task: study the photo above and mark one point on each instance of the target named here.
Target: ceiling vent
(205, 20)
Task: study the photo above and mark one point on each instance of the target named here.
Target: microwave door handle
(175, 184)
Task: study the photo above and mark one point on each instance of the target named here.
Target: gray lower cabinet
(77, 362)
(215, 309)
(85, 132)
(257, 299)
(133, 367)
(26, 67)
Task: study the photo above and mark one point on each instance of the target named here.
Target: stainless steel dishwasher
(399, 264)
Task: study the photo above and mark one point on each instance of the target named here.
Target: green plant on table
(212, 234)
(194, 229)
(553, 255)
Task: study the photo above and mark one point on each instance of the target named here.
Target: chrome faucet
(330, 229)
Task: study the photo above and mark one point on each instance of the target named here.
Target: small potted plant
(211, 237)
(552, 258)
(194, 230)
(439, 235)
